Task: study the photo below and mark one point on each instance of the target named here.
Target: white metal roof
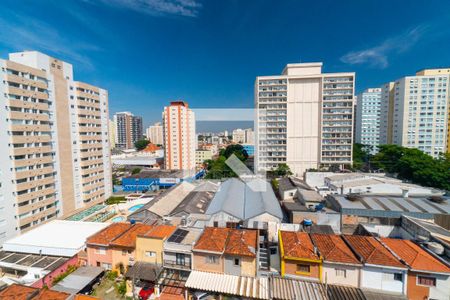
(58, 237)
(250, 287)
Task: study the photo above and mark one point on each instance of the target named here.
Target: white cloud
(377, 56)
(187, 8)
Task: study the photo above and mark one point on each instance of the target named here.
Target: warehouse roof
(245, 200)
(58, 237)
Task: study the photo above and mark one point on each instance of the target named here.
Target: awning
(250, 287)
(143, 271)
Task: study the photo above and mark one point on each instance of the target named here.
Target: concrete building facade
(368, 117)
(56, 152)
(128, 129)
(179, 136)
(304, 118)
(155, 134)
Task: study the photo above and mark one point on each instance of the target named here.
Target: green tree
(136, 171)
(282, 170)
(218, 169)
(235, 149)
(361, 156)
(141, 144)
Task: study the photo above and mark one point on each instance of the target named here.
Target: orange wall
(290, 268)
(414, 291)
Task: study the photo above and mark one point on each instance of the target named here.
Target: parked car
(146, 292)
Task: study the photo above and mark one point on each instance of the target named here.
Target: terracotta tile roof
(416, 257)
(160, 231)
(107, 235)
(128, 238)
(372, 251)
(298, 245)
(212, 239)
(17, 292)
(85, 297)
(151, 148)
(333, 248)
(45, 294)
(242, 242)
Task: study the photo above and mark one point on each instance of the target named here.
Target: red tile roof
(17, 292)
(151, 148)
(372, 251)
(242, 242)
(160, 231)
(333, 249)
(212, 239)
(416, 257)
(298, 245)
(128, 238)
(22, 292)
(107, 235)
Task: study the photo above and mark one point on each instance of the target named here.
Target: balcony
(181, 265)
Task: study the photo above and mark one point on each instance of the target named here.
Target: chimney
(405, 193)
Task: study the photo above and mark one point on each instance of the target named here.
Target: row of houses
(384, 264)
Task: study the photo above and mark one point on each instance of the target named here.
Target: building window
(237, 262)
(101, 251)
(428, 281)
(150, 253)
(303, 268)
(216, 224)
(398, 277)
(341, 273)
(211, 259)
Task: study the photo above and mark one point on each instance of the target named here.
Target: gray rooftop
(20, 260)
(78, 280)
(245, 201)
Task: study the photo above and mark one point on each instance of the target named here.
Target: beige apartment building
(129, 129)
(304, 118)
(155, 133)
(415, 112)
(55, 157)
(179, 136)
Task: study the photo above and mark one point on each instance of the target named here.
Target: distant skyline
(208, 53)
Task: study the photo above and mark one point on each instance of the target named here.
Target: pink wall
(93, 257)
(48, 279)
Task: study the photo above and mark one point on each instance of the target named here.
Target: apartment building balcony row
(28, 104)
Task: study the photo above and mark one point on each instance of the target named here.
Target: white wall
(442, 288)
(351, 277)
(383, 279)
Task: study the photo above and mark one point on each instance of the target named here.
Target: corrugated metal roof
(257, 288)
(245, 200)
(288, 289)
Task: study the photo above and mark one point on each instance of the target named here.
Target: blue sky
(148, 52)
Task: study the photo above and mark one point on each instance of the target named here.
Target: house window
(101, 251)
(180, 259)
(341, 273)
(211, 259)
(216, 224)
(428, 281)
(398, 277)
(237, 262)
(303, 268)
(150, 253)
(273, 251)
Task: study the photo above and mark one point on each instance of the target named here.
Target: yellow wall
(144, 244)
(248, 266)
(119, 257)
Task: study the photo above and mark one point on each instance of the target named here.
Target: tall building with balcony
(368, 118)
(129, 129)
(155, 133)
(55, 157)
(304, 118)
(420, 111)
(387, 113)
(179, 136)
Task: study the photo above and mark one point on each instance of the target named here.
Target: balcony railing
(177, 265)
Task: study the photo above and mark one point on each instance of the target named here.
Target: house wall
(47, 280)
(121, 256)
(222, 218)
(144, 244)
(247, 266)
(290, 269)
(382, 279)
(200, 263)
(351, 274)
(288, 194)
(420, 292)
(94, 256)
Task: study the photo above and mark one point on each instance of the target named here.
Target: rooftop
(58, 237)
(185, 236)
(109, 234)
(213, 239)
(160, 231)
(372, 251)
(245, 200)
(417, 258)
(128, 239)
(333, 249)
(20, 261)
(78, 280)
(242, 242)
(160, 174)
(297, 245)
(22, 292)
